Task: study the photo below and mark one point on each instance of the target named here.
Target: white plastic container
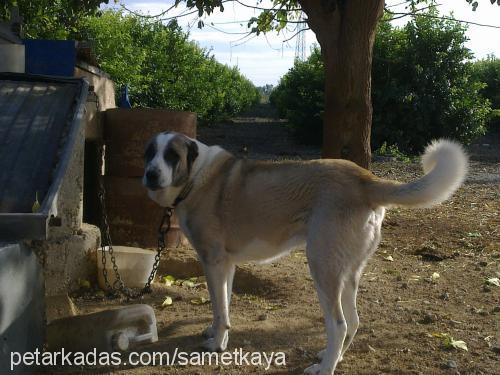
(134, 264)
(104, 331)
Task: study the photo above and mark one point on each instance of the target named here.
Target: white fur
(445, 164)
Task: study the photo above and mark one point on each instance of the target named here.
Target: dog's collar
(183, 194)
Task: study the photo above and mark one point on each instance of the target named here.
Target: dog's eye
(150, 152)
(171, 157)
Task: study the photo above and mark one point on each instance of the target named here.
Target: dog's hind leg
(349, 294)
(371, 232)
(218, 274)
(328, 275)
(349, 308)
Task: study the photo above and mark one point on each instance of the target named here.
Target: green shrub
(392, 151)
(299, 98)
(488, 71)
(164, 69)
(422, 88)
(494, 121)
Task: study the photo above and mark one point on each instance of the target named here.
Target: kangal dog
(234, 210)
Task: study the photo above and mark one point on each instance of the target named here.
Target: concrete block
(69, 258)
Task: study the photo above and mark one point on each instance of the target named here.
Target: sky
(265, 58)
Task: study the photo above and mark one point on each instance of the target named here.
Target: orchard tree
(54, 19)
(345, 30)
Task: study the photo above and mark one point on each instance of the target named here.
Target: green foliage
(164, 69)
(391, 151)
(494, 121)
(51, 19)
(488, 71)
(299, 97)
(422, 87)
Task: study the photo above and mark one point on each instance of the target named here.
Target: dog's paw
(317, 369)
(211, 346)
(208, 332)
(313, 370)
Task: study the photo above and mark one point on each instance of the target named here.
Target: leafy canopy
(423, 87)
(164, 69)
(51, 19)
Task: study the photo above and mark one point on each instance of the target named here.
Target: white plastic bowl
(134, 264)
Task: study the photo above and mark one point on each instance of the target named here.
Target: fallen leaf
(493, 281)
(85, 284)
(435, 276)
(188, 283)
(199, 301)
(167, 302)
(458, 344)
(450, 342)
(474, 234)
(389, 258)
(169, 280)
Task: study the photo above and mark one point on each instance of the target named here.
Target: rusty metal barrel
(133, 217)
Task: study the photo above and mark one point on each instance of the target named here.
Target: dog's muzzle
(152, 180)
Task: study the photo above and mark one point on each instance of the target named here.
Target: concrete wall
(6, 34)
(69, 254)
(100, 99)
(104, 89)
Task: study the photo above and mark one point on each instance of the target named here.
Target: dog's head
(169, 158)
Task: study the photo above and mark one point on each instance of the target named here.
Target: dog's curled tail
(445, 166)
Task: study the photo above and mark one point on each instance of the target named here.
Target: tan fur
(242, 210)
(243, 198)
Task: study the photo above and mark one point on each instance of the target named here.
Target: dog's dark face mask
(169, 158)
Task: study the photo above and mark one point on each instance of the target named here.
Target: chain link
(118, 285)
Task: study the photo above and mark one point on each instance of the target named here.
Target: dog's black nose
(152, 178)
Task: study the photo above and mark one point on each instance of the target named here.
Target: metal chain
(118, 285)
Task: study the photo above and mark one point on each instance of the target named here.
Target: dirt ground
(404, 309)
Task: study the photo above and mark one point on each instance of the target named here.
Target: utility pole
(300, 44)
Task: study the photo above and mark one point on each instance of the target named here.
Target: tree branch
(401, 15)
(262, 8)
(297, 33)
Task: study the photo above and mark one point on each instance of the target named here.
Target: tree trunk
(345, 30)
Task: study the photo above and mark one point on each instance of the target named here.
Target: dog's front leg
(217, 274)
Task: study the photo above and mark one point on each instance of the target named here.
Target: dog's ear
(183, 167)
(192, 154)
